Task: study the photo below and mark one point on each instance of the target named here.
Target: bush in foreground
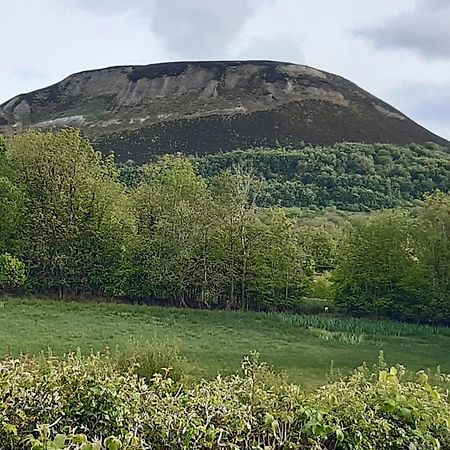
(148, 358)
(81, 403)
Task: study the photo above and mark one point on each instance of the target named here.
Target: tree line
(74, 227)
(348, 176)
(73, 222)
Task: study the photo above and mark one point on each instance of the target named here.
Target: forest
(366, 227)
(348, 176)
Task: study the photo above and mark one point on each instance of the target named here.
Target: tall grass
(361, 326)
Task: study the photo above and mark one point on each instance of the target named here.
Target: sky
(399, 50)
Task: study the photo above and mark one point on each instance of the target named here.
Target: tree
(279, 268)
(234, 196)
(375, 262)
(77, 219)
(11, 206)
(11, 215)
(322, 244)
(172, 205)
(432, 243)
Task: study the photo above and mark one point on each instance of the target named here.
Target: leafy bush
(147, 359)
(12, 272)
(87, 403)
(322, 287)
(73, 392)
(77, 441)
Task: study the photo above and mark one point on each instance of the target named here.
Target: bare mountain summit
(205, 107)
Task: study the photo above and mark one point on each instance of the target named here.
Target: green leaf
(60, 440)
(112, 443)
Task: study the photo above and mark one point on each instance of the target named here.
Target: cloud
(51, 39)
(427, 103)
(110, 6)
(282, 47)
(201, 28)
(424, 30)
(187, 29)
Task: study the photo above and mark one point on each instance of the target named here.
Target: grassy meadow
(214, 341)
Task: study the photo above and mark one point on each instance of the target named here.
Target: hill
(207, 107)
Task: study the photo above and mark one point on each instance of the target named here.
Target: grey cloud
(435, 3)
(425, 30)
(187, 29)
(281, 47)
(201, 28)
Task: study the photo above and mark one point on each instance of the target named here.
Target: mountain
(207, 107)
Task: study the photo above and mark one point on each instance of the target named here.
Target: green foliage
(279, 268)
(74, 392)
(146, 359)
(12, 272)
(398, 264)
(322, 287)
(77, 217)
(375, 329)
(203, 245)
(77, 441)
(130, 174)
(255, 409)
(431, 240)
(373, 264)
(2, 148)
(11, 215)
(172, 213)
(208, 232)
(349, 176)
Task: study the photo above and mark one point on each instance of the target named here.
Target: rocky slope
(206, 107)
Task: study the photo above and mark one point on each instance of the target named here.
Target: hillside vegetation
(70, 226)
(353, 177)
(349, 176)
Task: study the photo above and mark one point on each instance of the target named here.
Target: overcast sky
(398, 50)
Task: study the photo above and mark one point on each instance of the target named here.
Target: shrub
(12, 272)
(322, 287)
(148, 358)
(86, 403)
(85, 393)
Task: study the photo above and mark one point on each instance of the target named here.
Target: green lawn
(215, 341)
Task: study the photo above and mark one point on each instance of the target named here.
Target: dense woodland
(349, 176)
(214, 232)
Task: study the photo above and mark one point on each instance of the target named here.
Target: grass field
(215, 341)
